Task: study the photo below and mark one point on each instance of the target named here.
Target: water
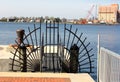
(109, 34)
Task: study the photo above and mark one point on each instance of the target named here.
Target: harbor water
(109, 34)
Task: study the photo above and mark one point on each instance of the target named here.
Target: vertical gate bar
(60, 58)
(64, 33)
(27, 40)
(23, 50)
(42, 51)
(58, 45)
(53, 45)
(64, 44)
(40, 34)
(69, 36)
(50, 45)
(74, 37)
(32, 42)
(36, 53)
(46, 46)
(31, 36)
(68, 40)
(54, 33)
(35, 35)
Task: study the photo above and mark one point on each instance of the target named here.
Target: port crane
(90, 12)
(84, 21)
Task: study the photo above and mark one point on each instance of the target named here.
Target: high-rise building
(108, 14)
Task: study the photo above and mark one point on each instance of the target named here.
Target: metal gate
(51, 51)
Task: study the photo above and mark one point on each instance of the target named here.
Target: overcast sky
(56, 8)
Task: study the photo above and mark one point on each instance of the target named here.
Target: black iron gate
(50, 52)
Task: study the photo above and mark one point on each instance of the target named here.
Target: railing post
(42, 52)
(74, 52)
(20, 35)
(22, 49)
(23, 52)
(98, 47)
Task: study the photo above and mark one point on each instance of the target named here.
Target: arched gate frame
(48, 51)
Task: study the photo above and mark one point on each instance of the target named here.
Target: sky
(53, 8)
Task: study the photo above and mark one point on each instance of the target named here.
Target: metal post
(42, 52)
(23, 52)
(74, 52)
(98, 46)
(20, 35)
(22, 49)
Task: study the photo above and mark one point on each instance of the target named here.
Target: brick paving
(33, 79)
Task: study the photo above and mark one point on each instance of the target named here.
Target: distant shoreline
(61, 23)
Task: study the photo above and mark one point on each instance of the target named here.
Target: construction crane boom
(90, 12)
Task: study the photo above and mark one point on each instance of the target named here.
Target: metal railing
(109, 66)
(50, 50)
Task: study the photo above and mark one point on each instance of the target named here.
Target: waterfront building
(11, 19)
(108, 14)
(119, 16)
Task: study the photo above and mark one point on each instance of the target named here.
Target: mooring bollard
(22, 49)
(74, 52)
(20, 35)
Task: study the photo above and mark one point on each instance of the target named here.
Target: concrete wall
(5, 56)
(4, 65)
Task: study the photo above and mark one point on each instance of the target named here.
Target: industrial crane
(90, 12)
(84, 21)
